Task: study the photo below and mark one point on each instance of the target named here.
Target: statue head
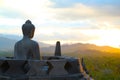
(28, 29)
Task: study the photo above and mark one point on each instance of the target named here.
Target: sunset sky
(70, 21)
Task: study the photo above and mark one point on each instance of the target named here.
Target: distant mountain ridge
(11, 36)
(82, 48)
(7, 44)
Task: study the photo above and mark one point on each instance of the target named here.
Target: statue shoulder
(18, 42)
(34, 42)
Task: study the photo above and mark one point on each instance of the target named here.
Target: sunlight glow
(106, 37)
(30, 8)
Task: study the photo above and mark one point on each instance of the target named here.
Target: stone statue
(27, 48)
(58, 49)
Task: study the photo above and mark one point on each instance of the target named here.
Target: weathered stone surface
(37, 67)
(1, 62)
(15, 67)
(4, 77)
(53, 69)
(63, 77)
(4, 66)
(58, 67)
(72, 66)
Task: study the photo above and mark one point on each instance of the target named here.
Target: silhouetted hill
(11, 36)
(82, 48)
(7, 44)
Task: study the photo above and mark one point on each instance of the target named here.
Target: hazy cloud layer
(80, 11)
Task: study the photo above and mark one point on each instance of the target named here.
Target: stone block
(37, 67)
(16, 67)
(72, 66)
(57, 67)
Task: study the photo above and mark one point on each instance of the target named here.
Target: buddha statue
(27, 48)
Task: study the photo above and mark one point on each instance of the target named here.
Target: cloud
(76, 12)
(72, 21)
(10, 30)
(31, 9)
(109, 10)
(9, 13)
(80, 12)
(92, 17)
(62, 34)
(14, 13)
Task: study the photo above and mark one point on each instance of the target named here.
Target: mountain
(81, 48)
(11, 36)
(17, 38)
(41, 44)
(7, 44)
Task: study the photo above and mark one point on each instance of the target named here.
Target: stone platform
(49, 68)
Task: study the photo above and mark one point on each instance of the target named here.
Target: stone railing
(48, 67)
